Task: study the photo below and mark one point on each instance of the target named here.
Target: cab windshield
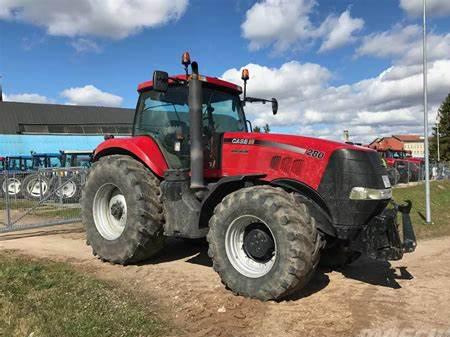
(158, 113)
(165, 117)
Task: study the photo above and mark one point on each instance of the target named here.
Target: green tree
(257, 129)
(266, 128)
(444, 133)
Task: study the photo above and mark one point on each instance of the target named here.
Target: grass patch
(48, 299)
(47, 209)
(440, 208)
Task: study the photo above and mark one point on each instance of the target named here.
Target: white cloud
(404, 44)
(386, 104)
(292, 78)
(26, 98)
(281, 22)
(82, 45)
(338, 31)
(90, 95)
(434, 7)
(114, 19)
(287, 23)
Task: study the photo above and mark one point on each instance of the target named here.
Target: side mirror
(160, 81)
(274, 106)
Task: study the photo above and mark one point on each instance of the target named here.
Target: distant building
(413, 143)
(410, 143)
(387, 143)
(26, 127)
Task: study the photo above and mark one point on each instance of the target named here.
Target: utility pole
(438, 120)
(425, 117)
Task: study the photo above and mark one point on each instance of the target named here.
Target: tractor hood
(315, 147)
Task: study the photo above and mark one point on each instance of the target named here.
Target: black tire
(142, 236)
(293, 230)
(18, 192)
(394, 175)
(30, 187)
(70, 188)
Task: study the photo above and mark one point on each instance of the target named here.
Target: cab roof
(217, 82)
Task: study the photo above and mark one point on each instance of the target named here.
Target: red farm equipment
(402, 167)
(270, 205)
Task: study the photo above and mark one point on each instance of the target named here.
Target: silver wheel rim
(12, 186)
(67, 190)
(110, 211)
(34, 189)
(234, 247)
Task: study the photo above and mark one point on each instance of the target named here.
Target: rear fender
(142, 148)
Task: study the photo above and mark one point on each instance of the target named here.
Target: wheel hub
(259, 244)
(117, 210)
(110, 211)
(250, 246)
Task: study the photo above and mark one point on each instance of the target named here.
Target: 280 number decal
(315, 153)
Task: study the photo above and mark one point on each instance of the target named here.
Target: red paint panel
(144, 148)
(212, 80)
(238, 159)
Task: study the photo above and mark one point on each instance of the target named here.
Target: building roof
(35, 118)
(409, 138)
(387, 143)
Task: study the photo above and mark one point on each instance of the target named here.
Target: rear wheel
(12, 186)
(122, 210)
(263, 242)
(394, 175)
(35, 187)
(70, 189)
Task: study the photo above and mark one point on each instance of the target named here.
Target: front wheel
(263, 242)
(122, 210)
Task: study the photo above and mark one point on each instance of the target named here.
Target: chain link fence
(40, 198)
(405, 172)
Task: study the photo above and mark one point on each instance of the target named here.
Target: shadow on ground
(377, 273)
(380, 273)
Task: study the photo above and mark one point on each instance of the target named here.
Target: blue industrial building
(26, 127)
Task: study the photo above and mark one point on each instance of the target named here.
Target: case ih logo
(297, 149)
(243, 141)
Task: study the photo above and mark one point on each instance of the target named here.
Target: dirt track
(413, 293)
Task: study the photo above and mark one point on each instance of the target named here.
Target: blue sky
(334, 64)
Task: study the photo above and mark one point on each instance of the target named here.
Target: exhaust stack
(196, 129)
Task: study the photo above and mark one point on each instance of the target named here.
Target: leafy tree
(257, 129)
(444, 133)
(266, 128)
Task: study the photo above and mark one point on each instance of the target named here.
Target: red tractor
(269, 204)
(402, 167)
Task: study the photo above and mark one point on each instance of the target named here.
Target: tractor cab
(19, 163)
(46, 160)
(73, 158)
(164, 112)
(165, 116)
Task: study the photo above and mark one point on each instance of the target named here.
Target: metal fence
(40, 198)
(407, 172)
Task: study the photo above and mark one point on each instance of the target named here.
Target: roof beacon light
(186, 61)
(245, 74)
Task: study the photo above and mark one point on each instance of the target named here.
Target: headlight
(364, 193)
